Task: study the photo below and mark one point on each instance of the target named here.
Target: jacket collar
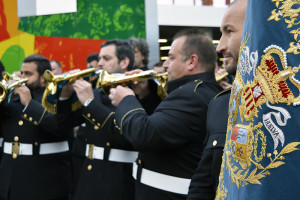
(205, 76)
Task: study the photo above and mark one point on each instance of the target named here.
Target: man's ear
(192, 62)
(124, 64)
(42, 81)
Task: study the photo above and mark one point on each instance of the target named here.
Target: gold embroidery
(290, 15)
(263, 145)
(221, 192)
(242, 177)
(270, 84)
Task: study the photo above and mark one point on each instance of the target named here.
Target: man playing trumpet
(106, 172)
(170, 140)
(35, 160)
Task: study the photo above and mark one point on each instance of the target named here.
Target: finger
(111, 97)
(112, 91)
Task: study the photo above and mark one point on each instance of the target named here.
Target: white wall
(184, 15)
(152, 31)
(45, 7)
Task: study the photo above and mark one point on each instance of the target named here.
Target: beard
(34, 85)
(232, 66)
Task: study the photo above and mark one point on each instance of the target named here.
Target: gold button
(20, 123)
(107, 144)
(88, 115)
(93, 120)
(30, 119)
(89, 167)
(139, 161)
(195, 80)
(215, 143)
(25, 115)
(35, 123)
(98, 124)
(36, 143)
(16, 138)
(96, 127)
(14, 156)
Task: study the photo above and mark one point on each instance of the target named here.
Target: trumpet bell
(7, 88)
(50, 82)
(54, 84)
(2, 92)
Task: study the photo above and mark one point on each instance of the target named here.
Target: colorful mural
(68, 38)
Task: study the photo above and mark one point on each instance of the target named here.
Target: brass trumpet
(52, 81)
(7, 88)
(54, 84)
(107, 81)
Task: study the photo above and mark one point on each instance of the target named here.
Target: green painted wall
(95, 19)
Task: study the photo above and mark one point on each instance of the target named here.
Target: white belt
(1, 140)
(27, 149)
(115, 155)
(162, 181)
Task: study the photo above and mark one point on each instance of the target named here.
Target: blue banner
(261, 157)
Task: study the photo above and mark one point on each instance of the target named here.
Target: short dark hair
(42, 63)
(2, 69)
(58, 63)
(198, 43)
(159, 64)
(142, 46)
(92, 57)
(123, 50)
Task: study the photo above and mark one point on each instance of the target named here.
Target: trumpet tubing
(219, 77)
(51, 80)
(107, 81)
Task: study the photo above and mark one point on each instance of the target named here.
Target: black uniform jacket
(1, 143)
(170, 141)
(32, 176)
(206, 177)
(100, 179)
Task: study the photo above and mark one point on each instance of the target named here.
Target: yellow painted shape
(24, 40)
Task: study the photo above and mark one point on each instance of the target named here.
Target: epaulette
(223, 92)
(197, 82)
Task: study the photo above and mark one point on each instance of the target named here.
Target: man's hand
(141, 88)
(24, 94)
(67, 91)
(117, 94)
(83, 90)
(136, 71)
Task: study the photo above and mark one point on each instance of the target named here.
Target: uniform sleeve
(176, 121)
(66, 118)
(99, 116)
(206, 177)
(36, 114)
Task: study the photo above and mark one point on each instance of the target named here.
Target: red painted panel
(70, 52)
(3, 29)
